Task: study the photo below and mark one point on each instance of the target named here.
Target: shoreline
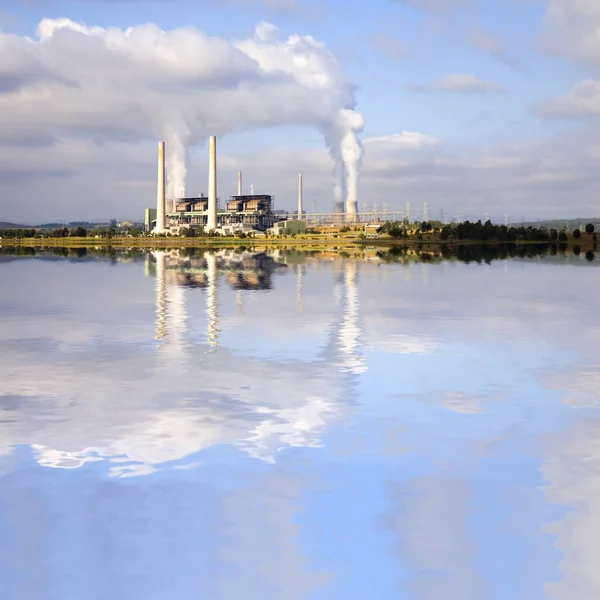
(298, 241)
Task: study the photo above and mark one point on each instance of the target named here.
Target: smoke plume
(350, 123)
(177, 158)
(179, 85)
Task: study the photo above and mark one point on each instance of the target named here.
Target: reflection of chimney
(212, 308)
(161, 297)
(239, 183)
(177, 312)
(239, 301)
(160, 190)
(148, 265)
(212, 184)
(299, 290)
(299, 196)
(350, 330)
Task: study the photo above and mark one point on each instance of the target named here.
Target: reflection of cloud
(572, 471)
(298, 426)
(141, 406)
(404, 344)
(429, 521)
(261, 569)
(462, 403)
(581, 388)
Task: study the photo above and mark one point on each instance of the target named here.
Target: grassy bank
(315, 240)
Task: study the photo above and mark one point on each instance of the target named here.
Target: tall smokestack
(299, 196)
(239, 183)
(212, 184)
(160, 190)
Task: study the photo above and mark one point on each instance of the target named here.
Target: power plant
(242, 212)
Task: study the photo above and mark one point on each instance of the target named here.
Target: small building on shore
(289, 227)
(371, 230)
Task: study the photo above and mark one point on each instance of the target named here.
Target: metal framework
(335, 218)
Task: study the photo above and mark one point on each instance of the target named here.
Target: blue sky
(519, 105)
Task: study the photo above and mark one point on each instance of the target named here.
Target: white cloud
(406, 139)
(539, 178)
(76, 81)
(582, 101)
(459, 83)
(392, 46)
(436, 5)
(494, 45)
(572, 29)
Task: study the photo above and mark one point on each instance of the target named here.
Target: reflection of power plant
(259, 389)
(174, 274)
(247, 271)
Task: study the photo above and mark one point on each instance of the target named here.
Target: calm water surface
(284, 427)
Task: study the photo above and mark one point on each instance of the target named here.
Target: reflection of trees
(466, 253)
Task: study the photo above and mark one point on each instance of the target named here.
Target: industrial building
(288, 227)
(242, 212)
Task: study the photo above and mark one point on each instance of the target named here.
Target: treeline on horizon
(65, 232)
(478, 231)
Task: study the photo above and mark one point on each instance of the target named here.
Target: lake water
(227, 426)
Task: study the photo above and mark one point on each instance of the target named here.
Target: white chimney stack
(239, 183)
(160, 191)
(299, 196)
(212, 184)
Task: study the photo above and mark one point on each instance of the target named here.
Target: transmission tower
(506, 221)
(314, 206)
(407, 211)
(425, 212)
(375, 216)
(486, 217)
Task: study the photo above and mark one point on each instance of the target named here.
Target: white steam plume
(335, 151)
(352, 123)
(176, 133)
(338, 185)
(176, 164)
(210, 86)
(346, 151)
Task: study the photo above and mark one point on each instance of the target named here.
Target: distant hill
(569, 224)
(7, 225)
